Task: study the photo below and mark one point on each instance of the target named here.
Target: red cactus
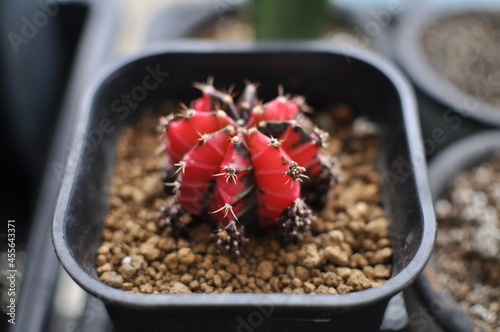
(245, 165)
(184, 129)
(276, 176)
(197, 168)
(232, 199)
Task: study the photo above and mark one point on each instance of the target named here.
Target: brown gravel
(468, 243)
(466, 50)
(348, 249)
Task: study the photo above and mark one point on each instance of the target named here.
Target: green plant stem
(289, 19)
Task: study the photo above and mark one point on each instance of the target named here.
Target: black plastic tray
(90, 24)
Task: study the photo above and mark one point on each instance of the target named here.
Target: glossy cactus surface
(245, 165)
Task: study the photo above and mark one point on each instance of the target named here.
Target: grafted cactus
(245, 165)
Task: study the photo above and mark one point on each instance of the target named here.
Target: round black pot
(325, 75)
(446, 112)
(456, 158)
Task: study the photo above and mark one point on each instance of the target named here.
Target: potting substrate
(468, 241)
(465, 49)
(348, 249)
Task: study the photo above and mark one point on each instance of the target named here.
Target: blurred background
(37, 58)
(49, 53)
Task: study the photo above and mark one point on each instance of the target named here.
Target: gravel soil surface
(348, 249)
(468, 243)
(465, 49)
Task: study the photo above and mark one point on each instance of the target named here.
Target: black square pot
(322, 73)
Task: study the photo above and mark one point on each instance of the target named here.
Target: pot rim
(410, 56)
(459, 156)
(304, 301)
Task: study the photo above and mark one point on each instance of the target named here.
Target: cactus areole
(245, 165)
